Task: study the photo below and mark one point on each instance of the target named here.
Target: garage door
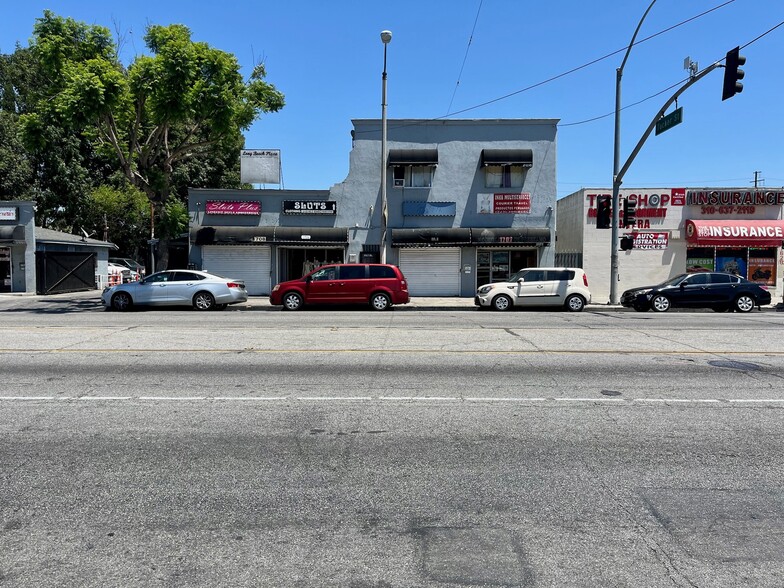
(248, 263)
(431, 272)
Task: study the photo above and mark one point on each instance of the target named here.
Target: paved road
(403, 449)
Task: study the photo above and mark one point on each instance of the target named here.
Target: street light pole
(617, 167)
(386, 37)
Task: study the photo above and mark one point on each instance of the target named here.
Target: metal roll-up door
(250, 264)
(431, 272)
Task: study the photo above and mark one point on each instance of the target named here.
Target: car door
(723, 288)
(693, 291)
(353, 284)
(534, 290)
(322, 287)
(153, 289)
(558, 283)
(182, 286)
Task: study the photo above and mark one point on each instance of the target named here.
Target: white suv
(538, 286)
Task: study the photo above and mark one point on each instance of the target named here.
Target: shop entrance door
(6, 284)
(498, 265)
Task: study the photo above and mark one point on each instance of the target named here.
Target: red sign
(512, 203)
(750, 233)
(234, 208)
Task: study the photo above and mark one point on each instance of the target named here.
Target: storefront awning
(521, 157)
(12, 233)
(231, 235)
(311, 235)
(522, 237)
(398, 157)
(430, 237)
(737, 233)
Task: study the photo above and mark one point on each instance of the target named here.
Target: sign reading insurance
(319, 207)
(233, 207)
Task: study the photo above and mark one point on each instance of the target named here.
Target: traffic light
(627, 243)
(733, 74)
(603, 211)
(629, 212)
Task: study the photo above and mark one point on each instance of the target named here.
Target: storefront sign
(504, 203)
(748, 233)
(260, 166)
(650, 241)
(233, 208)
(9, 213)
(733, 198)
(319, 207)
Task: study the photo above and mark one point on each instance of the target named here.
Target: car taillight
(585, 280)
(234, 285)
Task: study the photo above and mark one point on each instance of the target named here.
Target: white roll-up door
(431, 272)
(248, 263)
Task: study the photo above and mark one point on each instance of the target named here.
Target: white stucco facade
(748, 223)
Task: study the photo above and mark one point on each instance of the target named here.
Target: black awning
(521, 157)
(12, 233)
(430, 237)
(522, 237)
(311, 235)
(232, 235)
(399, 157)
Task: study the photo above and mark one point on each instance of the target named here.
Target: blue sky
(327, 58)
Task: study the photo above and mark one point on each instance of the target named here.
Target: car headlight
(484, 289)
(276, 288)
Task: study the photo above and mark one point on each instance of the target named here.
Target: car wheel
(502, 302)
(660, 303)
(744, 303)
(203, 301)
(639, 307)
(380, 301)
(575, 303)
(292, 301)
(121, 301)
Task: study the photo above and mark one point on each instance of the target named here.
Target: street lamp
(617, 167)
(386, 37)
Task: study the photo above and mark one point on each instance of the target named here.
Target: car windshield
(675, 281)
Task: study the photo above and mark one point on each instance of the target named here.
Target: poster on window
(504, 203)
(762, 270)
(731, 265)
(699, 264)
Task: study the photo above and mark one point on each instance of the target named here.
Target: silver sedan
(194, 288)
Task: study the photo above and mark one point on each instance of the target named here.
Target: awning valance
(521, 157)
(229, 235)
(430, 237)
(398, 157)
(311, 235)
(513, 237)
(12, 233)
(741, 233)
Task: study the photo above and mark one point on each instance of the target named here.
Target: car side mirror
(520, 280)
(308, 279)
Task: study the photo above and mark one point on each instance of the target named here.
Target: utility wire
(465, 57)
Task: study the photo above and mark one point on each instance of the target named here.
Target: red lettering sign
(234, 208)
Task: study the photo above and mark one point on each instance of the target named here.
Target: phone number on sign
(728, 209)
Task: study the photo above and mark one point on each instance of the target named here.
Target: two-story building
(467, 202)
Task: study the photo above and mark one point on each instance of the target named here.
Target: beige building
(677, 230)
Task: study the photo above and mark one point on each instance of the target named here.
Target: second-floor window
(504, 176)
(413, 176)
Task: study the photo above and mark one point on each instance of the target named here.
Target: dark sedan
(719, 291)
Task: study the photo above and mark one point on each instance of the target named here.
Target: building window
(413, 176)
(504, 176)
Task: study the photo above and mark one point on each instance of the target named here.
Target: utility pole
(756, 178)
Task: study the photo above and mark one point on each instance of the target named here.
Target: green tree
(120, 215)
(185, 100)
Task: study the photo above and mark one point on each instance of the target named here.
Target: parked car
(538, 286)
(199, 289)
(716, 290)
(131, 264)
(379, 285)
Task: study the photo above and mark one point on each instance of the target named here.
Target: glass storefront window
(762, 266)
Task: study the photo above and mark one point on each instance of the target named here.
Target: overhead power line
(465, 57)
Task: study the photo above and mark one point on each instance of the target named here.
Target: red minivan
(376, 284)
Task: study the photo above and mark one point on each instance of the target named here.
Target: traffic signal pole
(618, 175)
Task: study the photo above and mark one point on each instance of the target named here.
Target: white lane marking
(250, 398)
(103, 397)
(333, 398)
(175, 398)
(26, 397)
(422, 398)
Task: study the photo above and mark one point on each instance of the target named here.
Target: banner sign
(260, 166)
(504, 203)
(233, 208)
(651, 240)
(319, 207)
